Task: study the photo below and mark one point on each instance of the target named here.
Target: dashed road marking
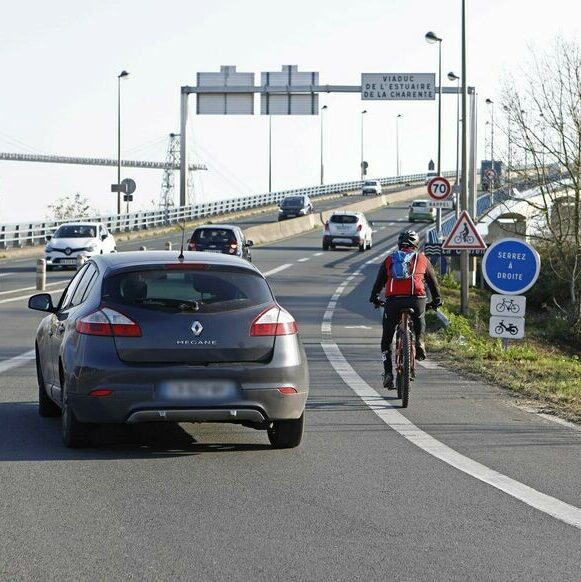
(303, 260)
(17, 361)
(277, 269)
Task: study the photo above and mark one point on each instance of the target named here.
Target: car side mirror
(48, 237)
(371, 223)
(103, 236)
(41, 302)
(249, 243)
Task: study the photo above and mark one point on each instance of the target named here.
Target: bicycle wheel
(500, 307)
(499, 329)
(405, 366)
(514, 308)
(398, 364)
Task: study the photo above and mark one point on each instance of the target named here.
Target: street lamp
(432, 38)
(324, 108)
(509, 157)
(362, 160)
(491, 103)
(454, 77)
(121, 75)
(397, 143)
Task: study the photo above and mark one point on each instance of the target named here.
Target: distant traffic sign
(464, 235)
(439, 188)
(398, 86)
(511, 266)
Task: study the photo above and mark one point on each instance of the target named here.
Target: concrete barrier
(275, 231)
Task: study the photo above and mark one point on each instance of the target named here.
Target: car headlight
(91, 248)
(48, 248)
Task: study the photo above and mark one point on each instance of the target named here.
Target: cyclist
(404, 290)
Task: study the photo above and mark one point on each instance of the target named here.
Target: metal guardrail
(35, 233)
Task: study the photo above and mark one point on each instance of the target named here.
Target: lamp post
(491, 103)
(432, 38)
(362, 159)
(121, 75)
(324, 108)
(509, 156)
(269, 153)
(454, 77)
(397, 143)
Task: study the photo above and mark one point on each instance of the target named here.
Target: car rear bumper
(421, 216)
(137, 394)
(344, 241)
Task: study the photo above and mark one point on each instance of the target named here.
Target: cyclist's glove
(376, 302)
(434, 303)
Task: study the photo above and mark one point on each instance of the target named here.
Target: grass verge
(544, 368)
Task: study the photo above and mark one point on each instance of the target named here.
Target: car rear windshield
(343, 219)
(420, 204)
(179, 288)
(214, 235)
(371, 183)
(75, 231)
(293, 201)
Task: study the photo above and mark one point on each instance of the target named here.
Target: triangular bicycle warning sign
(464, 235)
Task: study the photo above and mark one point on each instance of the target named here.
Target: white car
(348, 229)
(75, 239)
(371, 187)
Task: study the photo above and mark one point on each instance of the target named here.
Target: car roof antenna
(182, 225)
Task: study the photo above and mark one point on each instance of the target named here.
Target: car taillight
(360, 227)
(274, 321)
(327, 225)
(108, 322)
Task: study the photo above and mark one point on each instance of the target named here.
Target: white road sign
(398, 86)
(440, 204)
(439, 188)
(508, 304)
(506, 327)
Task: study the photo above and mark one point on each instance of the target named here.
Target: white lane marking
(303, 260)
(552, 506)
(382, 228)
(385, 411)
(27, 296)
(6, 274)
(317, 254)
(16, 361)
(11, 291)
(277, 269)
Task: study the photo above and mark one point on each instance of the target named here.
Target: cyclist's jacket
(421, 272)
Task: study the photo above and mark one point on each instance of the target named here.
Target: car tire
(325, 247)
(49, 267)
(332, 247)
(287, 434)
(46, 407)
(75, 434)
(362, 247)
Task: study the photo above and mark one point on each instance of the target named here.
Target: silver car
(144, 336)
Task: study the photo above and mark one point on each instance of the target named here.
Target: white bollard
(168, 245)
(81, 260)
(41, 274)
(142, 248)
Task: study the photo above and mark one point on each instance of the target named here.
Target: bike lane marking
(552, 506)
(17, 361)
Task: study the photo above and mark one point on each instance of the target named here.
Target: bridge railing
(35, 233)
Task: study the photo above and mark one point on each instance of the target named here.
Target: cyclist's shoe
(420, 350)
(412, 375)
(388, 380)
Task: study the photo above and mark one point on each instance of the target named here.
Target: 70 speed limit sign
(439, 188)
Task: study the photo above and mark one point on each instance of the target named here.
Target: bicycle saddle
(408, 310)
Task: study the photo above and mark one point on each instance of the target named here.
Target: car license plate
(197, 390)
(68, 261)
(343, 240)
(213, 251)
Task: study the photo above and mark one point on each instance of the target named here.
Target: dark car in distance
(220, 238)
(294, 206)
(142, 337)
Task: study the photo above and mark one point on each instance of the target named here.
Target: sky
(60, 62)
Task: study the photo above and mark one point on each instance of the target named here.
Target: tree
(543, 126)
(69, 207)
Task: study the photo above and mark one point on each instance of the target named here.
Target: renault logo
(197, 328)
(68, 251)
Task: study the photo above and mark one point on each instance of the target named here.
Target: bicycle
(509, 305)
(405, 354)
(468, 239)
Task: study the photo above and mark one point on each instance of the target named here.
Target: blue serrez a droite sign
(511, 266)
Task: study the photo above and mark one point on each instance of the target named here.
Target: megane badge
(197, 328)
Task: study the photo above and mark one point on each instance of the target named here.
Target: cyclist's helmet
(408, 238)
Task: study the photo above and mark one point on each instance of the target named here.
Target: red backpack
(411, 281)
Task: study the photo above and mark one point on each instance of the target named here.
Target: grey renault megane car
(144, 336)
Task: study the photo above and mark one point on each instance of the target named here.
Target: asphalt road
(462, 485)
